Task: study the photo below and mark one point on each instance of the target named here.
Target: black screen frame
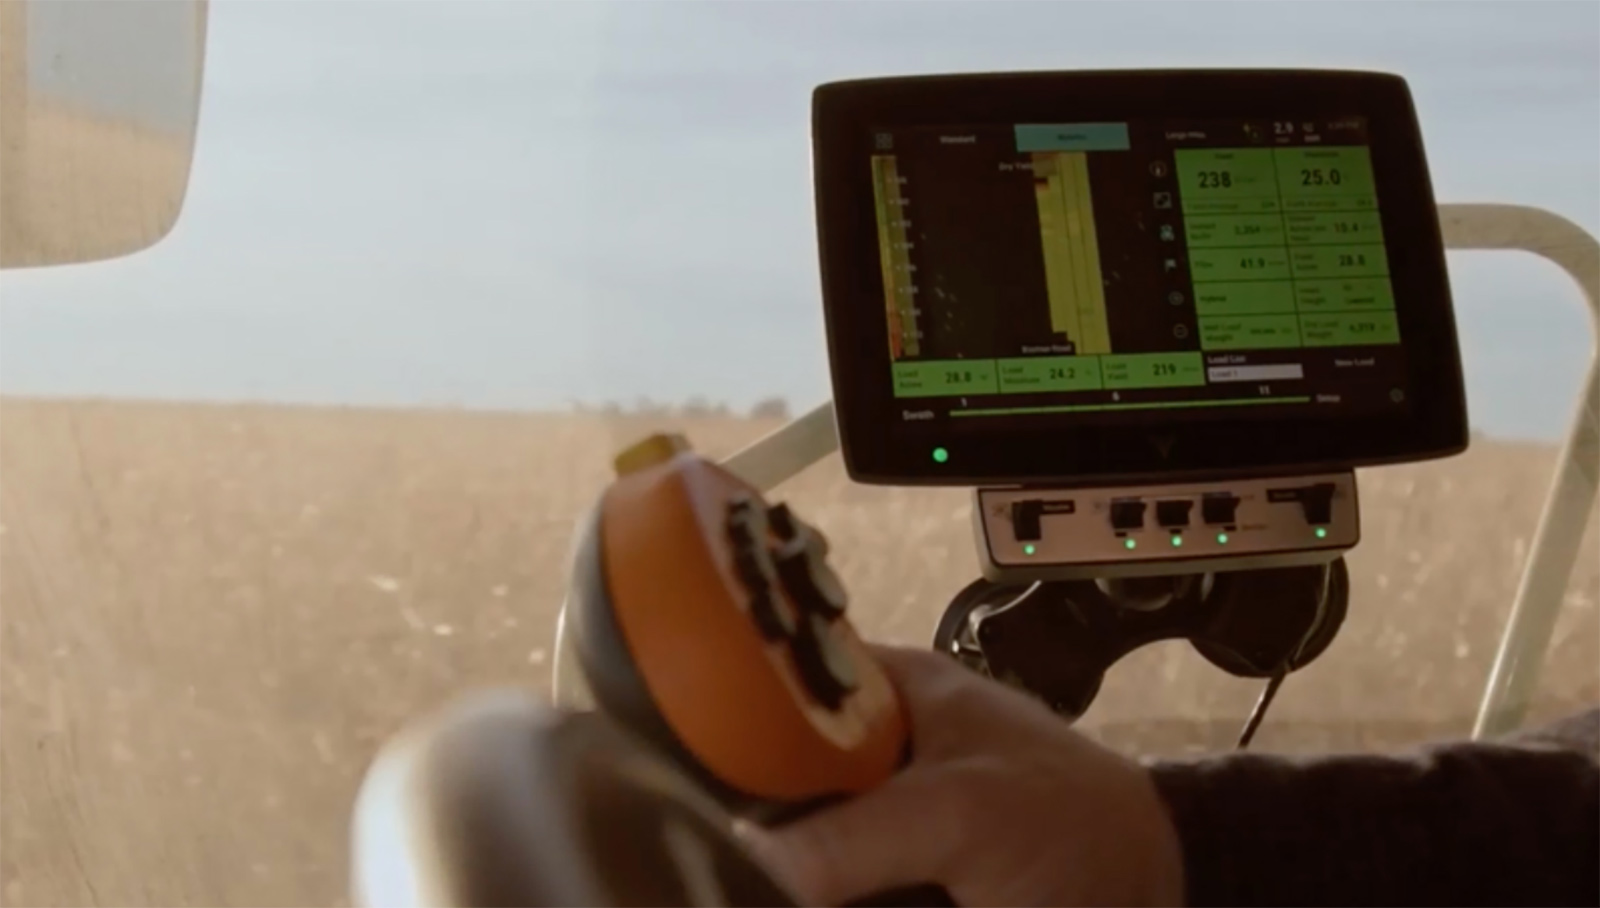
(844, 116)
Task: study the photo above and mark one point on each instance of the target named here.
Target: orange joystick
(711, 623)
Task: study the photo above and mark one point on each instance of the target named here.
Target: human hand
(1002, 804)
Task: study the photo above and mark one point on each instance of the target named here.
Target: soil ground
(214, 615)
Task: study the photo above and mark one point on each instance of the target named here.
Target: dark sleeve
(1512, 822)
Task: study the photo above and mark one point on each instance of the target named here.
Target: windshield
(311, 465)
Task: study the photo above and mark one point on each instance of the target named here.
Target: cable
(983, 613)
(1260, 712)
(980, 612)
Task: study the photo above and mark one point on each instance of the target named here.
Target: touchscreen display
(1092, 268)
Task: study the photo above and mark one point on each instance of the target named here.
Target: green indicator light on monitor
(1222, 538)
(1028, 549)
(1129, 543)
(940, 455)
(1176, 540)
(1322, 532)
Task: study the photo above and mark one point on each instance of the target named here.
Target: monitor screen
(1114, 267)
(1098, 276)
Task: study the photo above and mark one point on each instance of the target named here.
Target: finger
(903, 834)
(763, 845)
(929, 685)
(912, 665)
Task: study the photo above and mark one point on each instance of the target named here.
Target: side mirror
(98, 105)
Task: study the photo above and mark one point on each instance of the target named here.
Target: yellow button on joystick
(657, 449)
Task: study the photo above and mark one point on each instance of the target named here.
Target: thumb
(905, 833)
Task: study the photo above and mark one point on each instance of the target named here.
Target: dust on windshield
(312, 464)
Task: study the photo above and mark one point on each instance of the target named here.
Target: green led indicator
(940, 455)
(1222, 538)
(1029, 549)
(1176, 540)
(1129, 543)
(1322, 532)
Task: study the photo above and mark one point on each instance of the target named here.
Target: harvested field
(213, 615)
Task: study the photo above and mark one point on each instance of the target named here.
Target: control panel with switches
(1027, 534)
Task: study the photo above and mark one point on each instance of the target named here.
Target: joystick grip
(711, 624)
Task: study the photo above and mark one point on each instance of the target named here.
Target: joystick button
(754, 568)
(825, 667)
(773, 616)
(747, 525)
(803, 568)
(788, 527)
(782, 521)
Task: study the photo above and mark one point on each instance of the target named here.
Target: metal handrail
(1542, 588)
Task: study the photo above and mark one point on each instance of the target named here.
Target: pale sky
(513, 204)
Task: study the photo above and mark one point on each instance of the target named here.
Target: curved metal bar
(786, 451)
(1526, 641)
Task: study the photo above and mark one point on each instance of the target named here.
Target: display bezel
(879, 448)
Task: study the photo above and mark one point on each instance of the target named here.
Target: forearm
(1465, 824)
